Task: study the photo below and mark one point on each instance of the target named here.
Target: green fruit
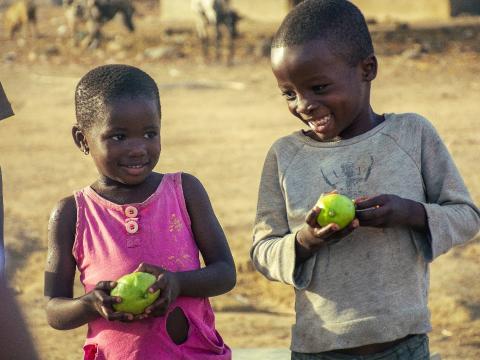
(133, 289)
(337, 209)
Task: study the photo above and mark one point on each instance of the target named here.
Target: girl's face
(125, 146)
(323, 91)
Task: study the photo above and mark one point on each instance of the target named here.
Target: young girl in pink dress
(134, 219)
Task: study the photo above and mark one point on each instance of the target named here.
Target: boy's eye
(319, 88)
(150, 135)
(289, 95)
(118, 137)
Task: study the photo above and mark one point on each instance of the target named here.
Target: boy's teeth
(321, 121)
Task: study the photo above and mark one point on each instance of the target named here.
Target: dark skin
(125, 148)
(332, 97)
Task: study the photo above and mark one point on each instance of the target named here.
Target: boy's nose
(305, 106)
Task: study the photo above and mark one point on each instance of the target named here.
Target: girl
(134, 219)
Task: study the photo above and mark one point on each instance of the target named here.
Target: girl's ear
(369, 68)
(80, 139)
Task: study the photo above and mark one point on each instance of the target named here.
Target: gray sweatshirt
(372, 286)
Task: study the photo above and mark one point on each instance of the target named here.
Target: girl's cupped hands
(169, 286)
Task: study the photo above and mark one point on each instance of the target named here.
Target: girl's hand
(168, 285)
(101, 302)
(312, 236)
(390, 210)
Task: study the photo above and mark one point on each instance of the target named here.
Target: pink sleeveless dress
(112, 240)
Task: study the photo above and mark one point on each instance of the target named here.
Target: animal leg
(218, 42)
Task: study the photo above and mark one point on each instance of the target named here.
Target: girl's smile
(125, 146)
(135, 170)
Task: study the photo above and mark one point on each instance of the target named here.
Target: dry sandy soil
(218, 123)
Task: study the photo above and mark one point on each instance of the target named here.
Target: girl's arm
(63, 311)
(219, 275)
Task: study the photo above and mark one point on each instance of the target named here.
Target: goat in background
(219, 16)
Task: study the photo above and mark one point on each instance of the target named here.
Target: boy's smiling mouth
(319, 125)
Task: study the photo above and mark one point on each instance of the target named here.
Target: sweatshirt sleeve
(453, 218)
(273, 250)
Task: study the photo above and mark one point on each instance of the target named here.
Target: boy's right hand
(100, 301)
(311, 237)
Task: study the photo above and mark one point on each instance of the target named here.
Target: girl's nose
(137, 148)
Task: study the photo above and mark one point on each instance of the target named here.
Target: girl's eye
(150, 135)
(118, 137)
(289, 95)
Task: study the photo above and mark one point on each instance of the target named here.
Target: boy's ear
(369, 68)
(80, 139)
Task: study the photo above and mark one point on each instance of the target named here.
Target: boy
(361, 291)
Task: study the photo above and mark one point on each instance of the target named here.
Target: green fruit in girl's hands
(335, 208)
(133, 289)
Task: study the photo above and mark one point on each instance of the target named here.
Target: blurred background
(221, 112)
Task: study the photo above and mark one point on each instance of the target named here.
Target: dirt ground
(218, 123)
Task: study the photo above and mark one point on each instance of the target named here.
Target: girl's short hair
(103, 85)
(338, 22)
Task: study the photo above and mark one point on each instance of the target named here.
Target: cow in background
(95, 13)
(216, 15)
(21, 14)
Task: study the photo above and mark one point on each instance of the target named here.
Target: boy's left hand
(168, 285)
(390, 210)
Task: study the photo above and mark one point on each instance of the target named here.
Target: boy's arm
(63, 311)
(274, 245)
(452, 216)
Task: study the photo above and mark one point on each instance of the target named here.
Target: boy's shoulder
(409, 121)
(291, 141)
(409, 127)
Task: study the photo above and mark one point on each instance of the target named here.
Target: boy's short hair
(338, 22)
(103, 85)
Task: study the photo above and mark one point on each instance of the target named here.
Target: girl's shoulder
(193, 189)
(62, 225)
(65, 210)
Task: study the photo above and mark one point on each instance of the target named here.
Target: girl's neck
(121, 194)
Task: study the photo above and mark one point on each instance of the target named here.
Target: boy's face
(323, 90)
(125, 146)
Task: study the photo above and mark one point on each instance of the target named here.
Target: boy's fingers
(350, 228)
(311, 218)
(369, 214)
(326, 231)
(360, 199)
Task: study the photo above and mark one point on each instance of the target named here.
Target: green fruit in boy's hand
(335, 208)
(133, 289)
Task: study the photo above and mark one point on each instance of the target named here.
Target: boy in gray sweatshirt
(363, 290)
